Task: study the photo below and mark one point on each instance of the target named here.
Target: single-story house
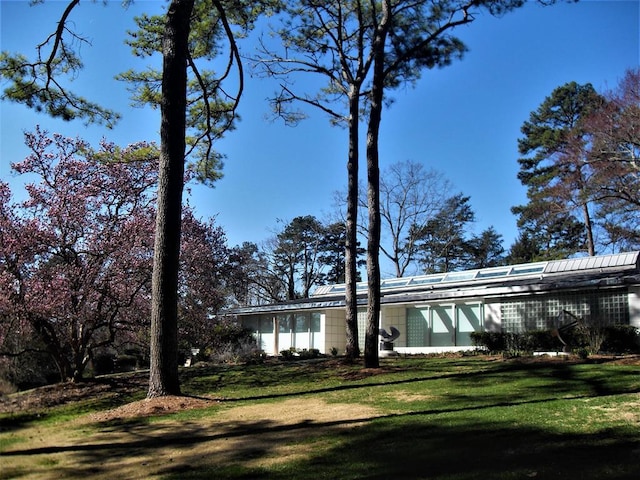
(436, 313)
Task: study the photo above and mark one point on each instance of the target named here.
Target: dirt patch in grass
(254, 436)
(152, 407)
(42, 398)
(403, 396)
(628, 412)
(300, 411)
(287, 412)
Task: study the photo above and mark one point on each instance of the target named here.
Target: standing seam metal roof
(613, 261)
(531, 277)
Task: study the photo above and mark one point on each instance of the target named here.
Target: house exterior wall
(439, 312)
(442, 326)
(634, 306)
(492, 316)
(335, 333)
(395, 316)
(540, 312)
(446, 326)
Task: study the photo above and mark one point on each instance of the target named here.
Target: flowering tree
(615, 158)
(75, 257)
(190, 35)
(18, 239)
(203, 279)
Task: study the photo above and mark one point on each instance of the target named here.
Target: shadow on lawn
(445, 442)
(559, 377)
(412, 445)
(411, 448)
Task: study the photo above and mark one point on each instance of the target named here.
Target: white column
(634, 306)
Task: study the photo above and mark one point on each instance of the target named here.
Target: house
(437, 313)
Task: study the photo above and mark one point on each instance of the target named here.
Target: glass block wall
(362, 327)
(541, 312)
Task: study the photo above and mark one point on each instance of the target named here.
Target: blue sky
(463, 121)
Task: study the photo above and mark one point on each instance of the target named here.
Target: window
(443, 325)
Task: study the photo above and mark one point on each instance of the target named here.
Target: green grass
(436, 418)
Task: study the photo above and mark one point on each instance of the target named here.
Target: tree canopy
(76, 255)
(362, 50)
(581, 171)
(189, 30)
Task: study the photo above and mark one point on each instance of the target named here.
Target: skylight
(623, 260)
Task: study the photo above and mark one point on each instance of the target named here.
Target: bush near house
(615, 339)
(300, 354)
(621, 339)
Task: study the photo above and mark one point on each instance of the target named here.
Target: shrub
(543, 340)
(621, 339)
(583, 353)
(517, 344)
(126, 363)
(588, 339)
(494, 342)
(30, 370)
(228, 331)
(243, 350)
(311, 353)
(593, 331)
(287, 354)
(6, 388)
(575, 338)
(104, 363)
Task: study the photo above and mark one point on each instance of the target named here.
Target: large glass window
(443, 325)
(285, 327)
(298, 330)
(316, 318)
(266, 325)
(302, 322)
(469, 320)
(262, 326)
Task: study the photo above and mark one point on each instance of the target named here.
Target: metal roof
(584, 272)
(614, 261)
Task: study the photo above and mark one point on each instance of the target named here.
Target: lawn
(428, 417)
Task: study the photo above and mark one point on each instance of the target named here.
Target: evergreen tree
(332, 253)
(557, 172)
(364, 50)
(485, 250)
(442, 244)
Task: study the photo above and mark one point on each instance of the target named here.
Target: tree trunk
(65, 369)
(163, 377)
(371, 359)
(352, 350)
(589, 228)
